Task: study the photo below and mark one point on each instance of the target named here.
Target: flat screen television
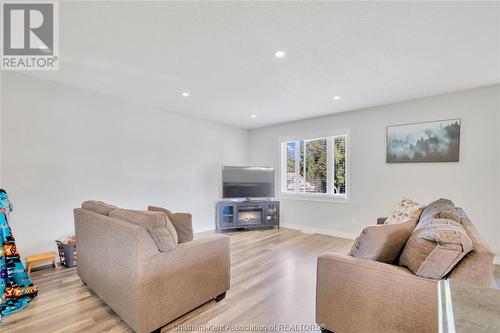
(241, 182)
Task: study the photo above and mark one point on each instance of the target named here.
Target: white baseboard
(497, 260)
(313, 230)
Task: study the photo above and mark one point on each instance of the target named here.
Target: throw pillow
(439, 209)
(98, 207)
(157, 224)
(182, 222)
(435, 248)
(406, 210)
(382, 242)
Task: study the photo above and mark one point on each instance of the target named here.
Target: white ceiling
(369, 53)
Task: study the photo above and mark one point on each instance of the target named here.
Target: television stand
(247, 214)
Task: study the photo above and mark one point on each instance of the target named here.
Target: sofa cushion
(405, 210)
(383, 242)
(439, 209)
(98, 207)
(435, 248)
(157, 224)
(182, 222)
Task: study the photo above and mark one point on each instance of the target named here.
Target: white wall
(472, 183)
(63, 145)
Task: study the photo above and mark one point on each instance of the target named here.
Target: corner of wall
(248, 133)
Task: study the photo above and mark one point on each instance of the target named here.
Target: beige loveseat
(120, 262)
(355, 295)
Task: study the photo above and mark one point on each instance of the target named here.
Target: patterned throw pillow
(406, 210)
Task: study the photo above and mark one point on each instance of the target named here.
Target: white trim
(318, 197)
(496, 261)
(322, 231)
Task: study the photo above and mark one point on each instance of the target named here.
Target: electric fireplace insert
(247, 214)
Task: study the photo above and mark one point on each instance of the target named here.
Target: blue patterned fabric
(16, 288)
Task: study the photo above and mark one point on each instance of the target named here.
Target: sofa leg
(220, 297)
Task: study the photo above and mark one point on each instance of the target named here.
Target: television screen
(247, 182)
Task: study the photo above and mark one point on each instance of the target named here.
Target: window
(315, 167)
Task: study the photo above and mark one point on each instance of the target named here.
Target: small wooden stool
(40, 258)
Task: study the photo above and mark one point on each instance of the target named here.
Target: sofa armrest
(173, 283)
(381, 220)
(351, 292)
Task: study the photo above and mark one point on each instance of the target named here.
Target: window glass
(339, 179)
(316, 166)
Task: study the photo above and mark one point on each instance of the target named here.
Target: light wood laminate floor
(273, 277)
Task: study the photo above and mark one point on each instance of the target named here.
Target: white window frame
(322, 197)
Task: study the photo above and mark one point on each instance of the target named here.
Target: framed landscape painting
(435, 141)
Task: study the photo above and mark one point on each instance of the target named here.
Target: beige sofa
(356, 295)
(120, 262)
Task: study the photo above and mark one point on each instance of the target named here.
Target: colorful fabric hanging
(16, 288)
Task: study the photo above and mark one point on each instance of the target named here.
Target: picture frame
(423, 142)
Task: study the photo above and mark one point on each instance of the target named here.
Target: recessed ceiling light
(185, 94)
(253, 116)
(336, 98)
(279, 54)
